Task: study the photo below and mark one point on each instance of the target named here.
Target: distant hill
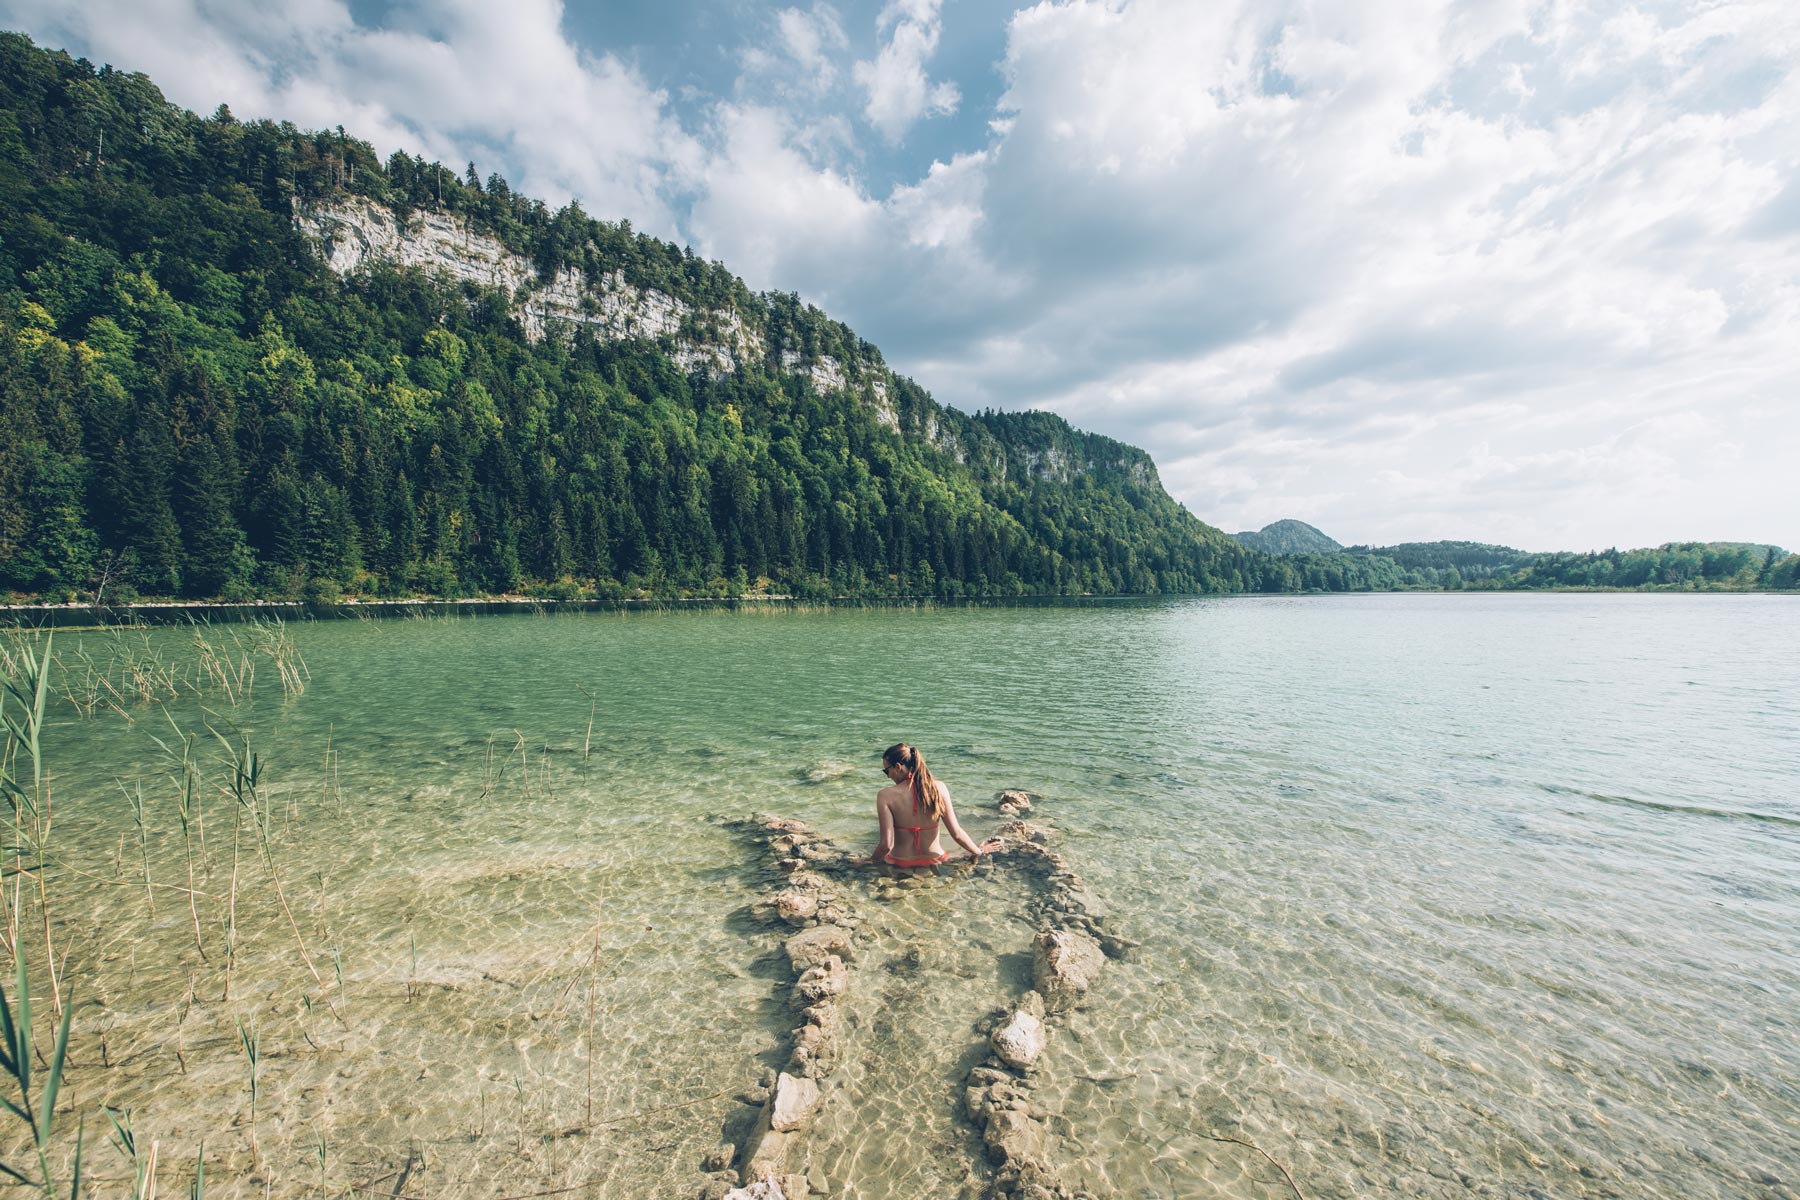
(1762, 550)
(1289, 537)
(1471, 560)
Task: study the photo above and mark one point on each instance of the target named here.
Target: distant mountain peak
(1289, 537)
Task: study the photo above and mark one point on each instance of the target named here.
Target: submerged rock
(1064, 964)
(795, 1102)
(812, 947)
(762, 1189)
(1013, 1138)
(717, 1187)
(767, 1155)
(1021, 1038)
(829, 978)
(815, 1051)
(1012, 802)
(796, 907)
(1020, 1041)
(825, 772)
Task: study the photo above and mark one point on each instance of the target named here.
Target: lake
(1435, 894)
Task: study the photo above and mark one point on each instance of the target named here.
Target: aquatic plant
(246, 768)
(135, 797)
(39, 1115)
(188, 809)
(587, 739)
(143, 1166)
(252, 1046)
(28, 687)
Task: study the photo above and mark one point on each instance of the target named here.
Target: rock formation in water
(771, 1162)
(1069, 950)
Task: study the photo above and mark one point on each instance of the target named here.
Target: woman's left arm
(956, 830)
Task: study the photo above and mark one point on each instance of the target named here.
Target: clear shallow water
(1438, 894)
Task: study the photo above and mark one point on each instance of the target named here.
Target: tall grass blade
(53, 1076)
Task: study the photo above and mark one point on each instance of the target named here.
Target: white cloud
(802, 58)
(1308, 253)
(779, 221)
(899, 91)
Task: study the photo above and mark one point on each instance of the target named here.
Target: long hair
(927, 792)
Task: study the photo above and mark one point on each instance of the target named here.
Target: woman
(916, 805)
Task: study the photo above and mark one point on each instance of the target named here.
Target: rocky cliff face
(355, 232)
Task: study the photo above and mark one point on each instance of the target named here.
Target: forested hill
(1289, 537)
(236, 361)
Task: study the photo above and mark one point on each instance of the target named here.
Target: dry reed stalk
(593, 990)
(136, 800)
(589, 738)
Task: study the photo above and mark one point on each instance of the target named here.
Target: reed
(143, 1166)
(273, 642)
(188, 809)
(246, 774)
(587, 739)
(28, 687)
(251, 1043)
(136, 798)
(334, 792)
(39, 1114)
(593, 992)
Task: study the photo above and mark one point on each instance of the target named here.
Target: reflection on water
(1437, 895)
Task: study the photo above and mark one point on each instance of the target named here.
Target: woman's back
(915, 828)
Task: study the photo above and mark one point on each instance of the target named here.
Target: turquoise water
(1438, 895)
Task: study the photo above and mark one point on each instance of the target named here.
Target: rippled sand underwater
(1436, 895)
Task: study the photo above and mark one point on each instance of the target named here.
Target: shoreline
(175, 612)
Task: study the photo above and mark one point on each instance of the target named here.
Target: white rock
(796, 1100)
(812, 947)
(829, 978)
(1019, 1040)
(764, 1189)
(1064, 964)
(796, 907)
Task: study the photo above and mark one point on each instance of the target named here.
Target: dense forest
(193, 405)
(1735, 566)
(1479, 566)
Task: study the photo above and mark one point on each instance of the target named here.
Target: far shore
(78, 614)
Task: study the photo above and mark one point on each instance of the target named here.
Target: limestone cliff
(354, 232)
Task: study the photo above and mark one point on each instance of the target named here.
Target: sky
(1516, 271)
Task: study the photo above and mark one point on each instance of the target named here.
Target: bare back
(910, 833)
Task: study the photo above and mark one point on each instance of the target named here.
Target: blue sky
(1524, 271)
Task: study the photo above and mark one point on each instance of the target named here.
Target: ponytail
(927, 792)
